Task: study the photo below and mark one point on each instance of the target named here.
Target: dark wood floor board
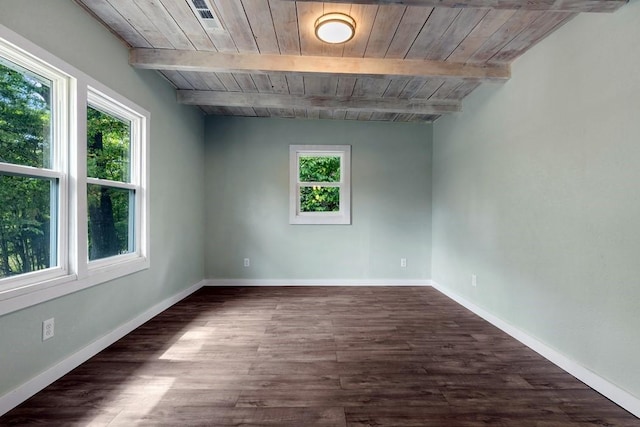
(344, 398)
(299, 356)
(373, 345)
(382, 356)
(213, 416)
(239, 327)
(369, 330)
(316, 339)
(442, 382)
(554, 381)
(318, 356)
(484, 365)
(279, 331)
(79, 415)
(257, 382)
(418, 416)
(341, 368)
(285, 345)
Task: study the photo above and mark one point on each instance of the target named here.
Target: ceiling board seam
(185, 12)
(151, 25)
(530, 26)
(113, 31)
(515, 17)
(444, 33)
(129, 22)
(395, 32)
(420, 31)
(298, 27)
(468, 34)
(524, 28)
(274, 26)
(366, 46)
(164, 15)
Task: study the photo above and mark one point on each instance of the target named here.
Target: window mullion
(64, 100)
(320, 184)
(78, 228)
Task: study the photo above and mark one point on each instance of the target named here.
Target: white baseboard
(31, 387)
(593, 380)
(317, 282)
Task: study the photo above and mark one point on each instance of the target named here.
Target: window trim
(74, 271)
(343, 216)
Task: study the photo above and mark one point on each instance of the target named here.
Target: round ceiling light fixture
(335, 28)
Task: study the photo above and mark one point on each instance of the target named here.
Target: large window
(32, 169)
(320, 190)
(73, 195)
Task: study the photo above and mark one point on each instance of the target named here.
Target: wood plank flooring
(318, 356)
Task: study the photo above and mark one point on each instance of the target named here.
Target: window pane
(108, 146)
(319, 169)
(27, 229)
(25, 117)
(110, 221)
(319, 199)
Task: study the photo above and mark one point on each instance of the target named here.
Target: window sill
(320, 219)
(39, 292)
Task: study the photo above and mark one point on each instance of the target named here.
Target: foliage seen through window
(27, 241)
(108, 158)
(319, 170)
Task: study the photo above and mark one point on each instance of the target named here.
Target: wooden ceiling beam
(219, 62)
(542, 5)
(271, 100)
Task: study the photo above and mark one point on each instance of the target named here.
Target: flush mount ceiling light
(335, 28)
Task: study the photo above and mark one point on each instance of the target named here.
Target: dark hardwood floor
(318, 356)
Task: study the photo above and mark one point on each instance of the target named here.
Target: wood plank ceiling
(410, 60)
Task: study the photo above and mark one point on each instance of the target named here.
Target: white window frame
(343, 216)
(72, 90)
(120, 108)
(60, 97)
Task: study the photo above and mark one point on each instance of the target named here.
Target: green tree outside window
(319, 170)
(25, 202)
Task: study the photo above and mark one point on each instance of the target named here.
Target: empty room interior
(212, 215)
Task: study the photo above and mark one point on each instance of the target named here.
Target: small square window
(320, 184)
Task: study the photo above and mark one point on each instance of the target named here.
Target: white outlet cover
(48, 329)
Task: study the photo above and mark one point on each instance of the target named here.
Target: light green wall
(537, 191)
(177, 213)
(247, 202)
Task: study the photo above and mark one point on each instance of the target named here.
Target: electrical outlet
(474, 280)
(403, 262)
(247, 262)
(47, 329)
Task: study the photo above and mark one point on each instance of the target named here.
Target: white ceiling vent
(206, 14)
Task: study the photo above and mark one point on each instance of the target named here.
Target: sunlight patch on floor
(188, 344)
